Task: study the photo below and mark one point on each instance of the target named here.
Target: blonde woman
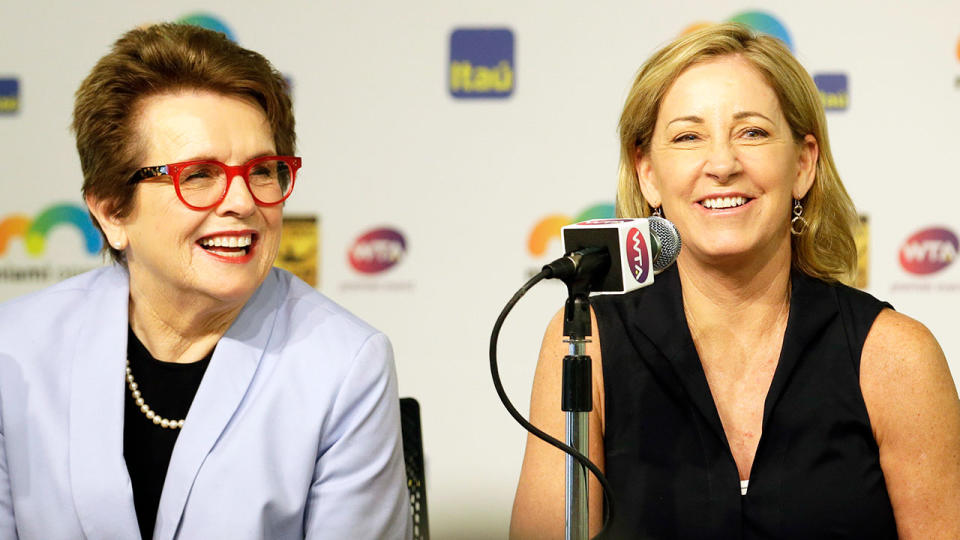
(748, 393)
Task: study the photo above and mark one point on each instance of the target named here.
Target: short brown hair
(154, 60)
(826, 248)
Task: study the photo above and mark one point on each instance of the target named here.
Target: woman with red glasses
(191, 390)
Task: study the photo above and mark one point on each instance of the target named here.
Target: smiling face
(723, 163)
(223, 253)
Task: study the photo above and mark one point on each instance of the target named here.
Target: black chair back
(413, 456)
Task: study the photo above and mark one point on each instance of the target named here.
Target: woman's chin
(230, 290)
(725, 254)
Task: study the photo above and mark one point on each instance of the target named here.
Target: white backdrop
(465, 181)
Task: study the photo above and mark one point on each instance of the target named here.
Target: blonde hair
(826, 248)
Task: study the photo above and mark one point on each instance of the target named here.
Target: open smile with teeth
(227, 245)
(719, 203)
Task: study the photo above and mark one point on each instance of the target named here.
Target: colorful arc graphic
(34, 232)
(548, 228)
(208, 21)
(764, 23)
(759, 21)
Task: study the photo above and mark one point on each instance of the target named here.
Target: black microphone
(616, 255)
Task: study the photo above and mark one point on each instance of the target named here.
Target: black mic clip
(589, 263)
(582, 271)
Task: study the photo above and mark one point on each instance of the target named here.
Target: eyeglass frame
(173, 170)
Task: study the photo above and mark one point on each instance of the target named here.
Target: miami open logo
(548, 228)
(377, 250)
(636, 250)
(929, 250)
(210, 22)
(34, 231)
(759, 21)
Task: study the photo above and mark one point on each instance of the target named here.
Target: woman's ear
(807, 160)
(647, 178)
(112, 226)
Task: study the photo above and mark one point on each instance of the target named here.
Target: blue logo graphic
(766, 24)
(834, 90)
(208, 21)
(9, 96)
(481, 63)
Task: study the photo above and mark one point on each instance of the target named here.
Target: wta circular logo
(637, 255)
(929, 250)
(377, 250)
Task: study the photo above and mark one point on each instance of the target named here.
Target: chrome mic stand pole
(577, 402)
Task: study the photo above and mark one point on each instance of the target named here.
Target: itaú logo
(637, 258)
(35, 231)
(929, 250)
(377, 250)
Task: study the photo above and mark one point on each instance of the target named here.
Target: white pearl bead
(144, 408)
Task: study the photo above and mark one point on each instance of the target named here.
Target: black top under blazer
(816, 473)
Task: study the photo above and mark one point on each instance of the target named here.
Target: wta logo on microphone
(637, 255)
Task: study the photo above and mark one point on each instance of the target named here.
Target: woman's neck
(739, 302)
(177, 326)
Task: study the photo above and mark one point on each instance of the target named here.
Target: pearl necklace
(145, 409)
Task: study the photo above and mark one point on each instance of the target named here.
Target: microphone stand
(577, 402)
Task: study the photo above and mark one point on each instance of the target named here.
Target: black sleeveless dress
(816, 473)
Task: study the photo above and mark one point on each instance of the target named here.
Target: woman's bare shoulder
(914, 411)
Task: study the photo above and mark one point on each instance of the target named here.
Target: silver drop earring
(798, 225)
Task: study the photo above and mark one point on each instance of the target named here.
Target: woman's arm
(359, 482)
(912, 402)
(538, 509)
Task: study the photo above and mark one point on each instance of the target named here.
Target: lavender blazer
(293, 433)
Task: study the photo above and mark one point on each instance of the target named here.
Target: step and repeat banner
(444, 144)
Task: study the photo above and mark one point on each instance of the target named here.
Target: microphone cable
(584, 461)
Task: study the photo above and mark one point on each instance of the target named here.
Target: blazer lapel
(232, 368)
(98, 473)
(660, 318)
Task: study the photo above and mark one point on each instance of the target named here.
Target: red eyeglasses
(203, 184)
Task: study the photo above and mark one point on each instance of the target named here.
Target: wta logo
(636, 250)
(548, 228)
(929, 250)
(35, 231)
(377, 250)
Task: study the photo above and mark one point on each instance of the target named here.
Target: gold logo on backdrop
(861, 235)
(300, 248)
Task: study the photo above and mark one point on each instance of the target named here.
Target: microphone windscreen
(666, 235)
